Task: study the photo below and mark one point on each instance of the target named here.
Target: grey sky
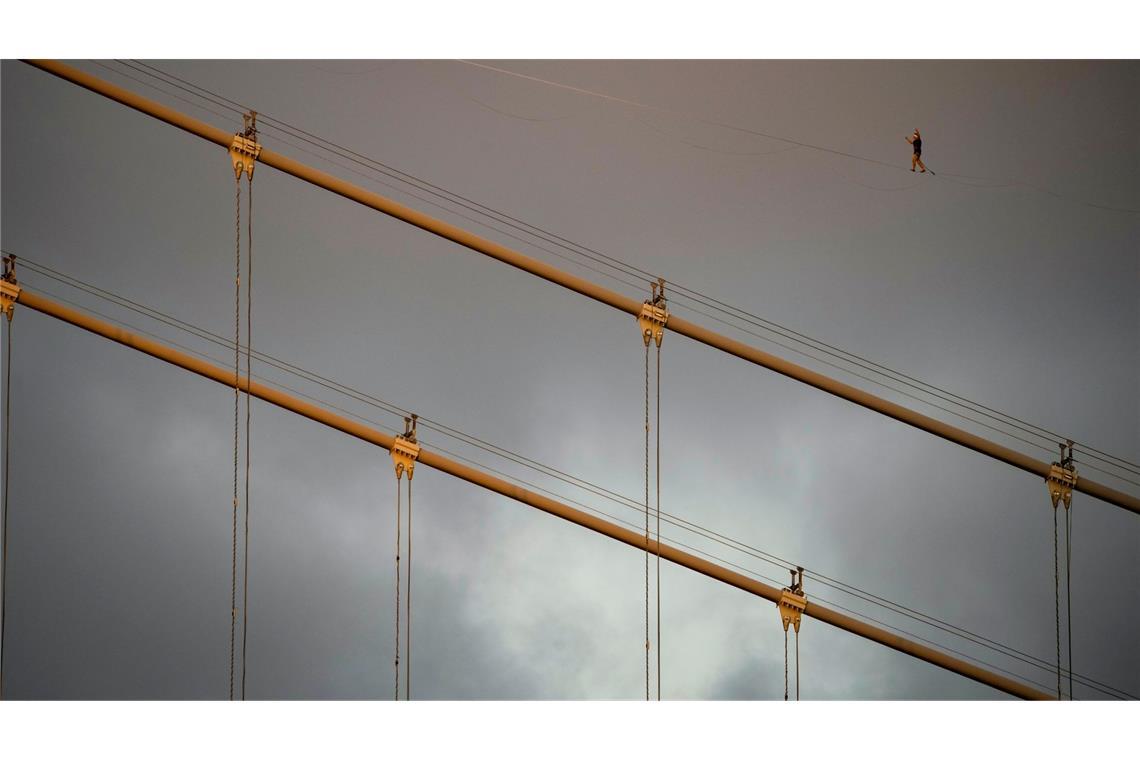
(121, 465)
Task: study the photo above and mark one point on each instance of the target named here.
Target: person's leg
(913, 159)
(918, 159)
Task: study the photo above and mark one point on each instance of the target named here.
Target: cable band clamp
(1062, 477)
(405, 450)
(654, 315)
(792, 601)
(9, 289)
(245, 149)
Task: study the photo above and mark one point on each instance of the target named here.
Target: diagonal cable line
(597, 256)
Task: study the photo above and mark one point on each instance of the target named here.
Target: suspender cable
(584, 287)
(797, 665)
(791, 606)
(651, 320)
(237, 398)
(785, 664)
(1060, 481)
(658, 523)
(397, 662)
(513, 491)
(404, 451)
(408, 604)
(248, 412)
(647, 522)
(243, 153)
(7, 477)
(1068, 593)
(1057, 598)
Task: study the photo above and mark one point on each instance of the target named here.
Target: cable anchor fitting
(245, 149)
(792, 601)
(405, 450)
(1062, 477)
(654, 314)
(9, 289)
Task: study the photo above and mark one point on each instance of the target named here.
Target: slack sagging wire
(624, 270)
(710, 149)
(788, 140)
(607, 494)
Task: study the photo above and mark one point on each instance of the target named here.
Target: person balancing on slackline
(916, 159)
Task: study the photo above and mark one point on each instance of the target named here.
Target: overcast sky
(1019, 298)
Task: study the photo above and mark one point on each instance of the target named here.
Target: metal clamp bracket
(245, 149)
(405, 450)
(1062, 477)
(792, 601)
(9, 290)
(654, 315)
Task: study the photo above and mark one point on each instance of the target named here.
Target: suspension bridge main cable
(1093, 684)
(610, 495)
(1108, 690)
(621, 267)
(476, 477)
